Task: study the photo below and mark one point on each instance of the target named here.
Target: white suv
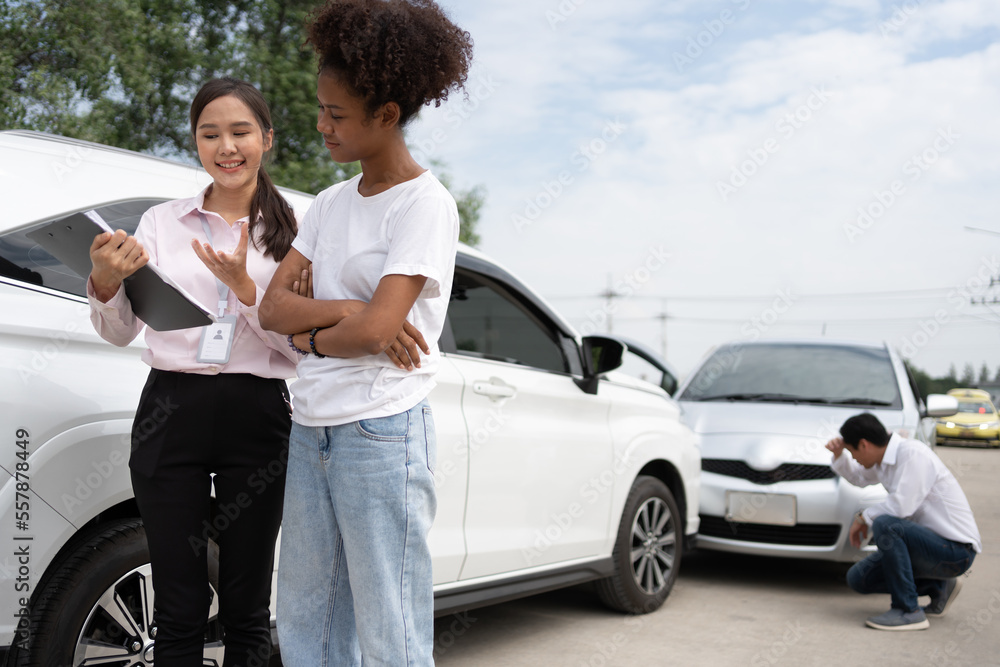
(549, 472)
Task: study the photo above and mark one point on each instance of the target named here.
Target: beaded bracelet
(292, 345)
(312, 343)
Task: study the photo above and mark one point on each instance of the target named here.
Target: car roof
(64, 166)
(818, 341)
(29, 159)
(969, 393)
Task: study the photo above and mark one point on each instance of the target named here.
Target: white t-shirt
(353, 241)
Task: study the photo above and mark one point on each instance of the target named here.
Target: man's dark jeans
(911, 560)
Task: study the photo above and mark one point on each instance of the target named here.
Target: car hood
(961, 418)
(765, 435)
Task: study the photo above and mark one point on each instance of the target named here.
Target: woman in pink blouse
(221, 412)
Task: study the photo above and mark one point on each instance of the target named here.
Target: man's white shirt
(921, 489)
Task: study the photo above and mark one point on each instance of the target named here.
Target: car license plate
(769, 508)
(968, 433)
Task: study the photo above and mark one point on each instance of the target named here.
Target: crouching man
(925, 532)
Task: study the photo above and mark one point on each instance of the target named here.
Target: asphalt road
(729, 610)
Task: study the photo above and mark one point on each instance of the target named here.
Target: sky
(736, 169)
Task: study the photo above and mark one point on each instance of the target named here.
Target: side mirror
(941, 405)
(600, 355)
(669, 383)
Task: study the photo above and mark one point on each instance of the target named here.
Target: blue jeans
(354, 577)
(911, 561)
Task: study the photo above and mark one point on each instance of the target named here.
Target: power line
(785, 321)
(930, 293)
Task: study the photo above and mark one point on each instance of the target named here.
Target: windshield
(785, 372)
(975, 407)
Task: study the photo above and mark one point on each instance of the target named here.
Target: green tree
(123, 72)
(920, 378)
(931, 385)
(984, 373)
(968, 375)
(469, 203)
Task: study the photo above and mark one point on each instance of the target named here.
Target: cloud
(750, 165)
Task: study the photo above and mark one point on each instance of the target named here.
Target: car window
(23, 259)
(639, 367)
(836, 374)
(975, 407)
(489, 322)
(914, 388)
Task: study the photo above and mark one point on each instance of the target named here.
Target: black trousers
(187, 428)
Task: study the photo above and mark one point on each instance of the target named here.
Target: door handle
(495, 388)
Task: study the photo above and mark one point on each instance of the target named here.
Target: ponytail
(277, 220)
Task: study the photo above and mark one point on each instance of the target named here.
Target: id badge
(217, 341)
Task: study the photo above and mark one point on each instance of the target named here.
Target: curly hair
(403, 51)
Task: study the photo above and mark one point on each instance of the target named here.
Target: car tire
(98, 602)
(647, 551)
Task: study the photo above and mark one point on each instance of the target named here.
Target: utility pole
(609, 307)
(983, 301)
(663, 330)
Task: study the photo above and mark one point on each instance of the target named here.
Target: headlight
(987, 425)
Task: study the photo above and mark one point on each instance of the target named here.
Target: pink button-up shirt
(165, 231)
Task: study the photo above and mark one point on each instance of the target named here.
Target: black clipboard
(156, 300)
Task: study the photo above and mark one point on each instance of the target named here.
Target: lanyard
(219, 285)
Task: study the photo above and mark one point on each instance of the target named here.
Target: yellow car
(975, 423)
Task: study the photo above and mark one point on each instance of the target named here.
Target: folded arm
(375, 329)
(285, 311)
(382, 327)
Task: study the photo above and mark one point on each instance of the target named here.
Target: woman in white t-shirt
(355, 580)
